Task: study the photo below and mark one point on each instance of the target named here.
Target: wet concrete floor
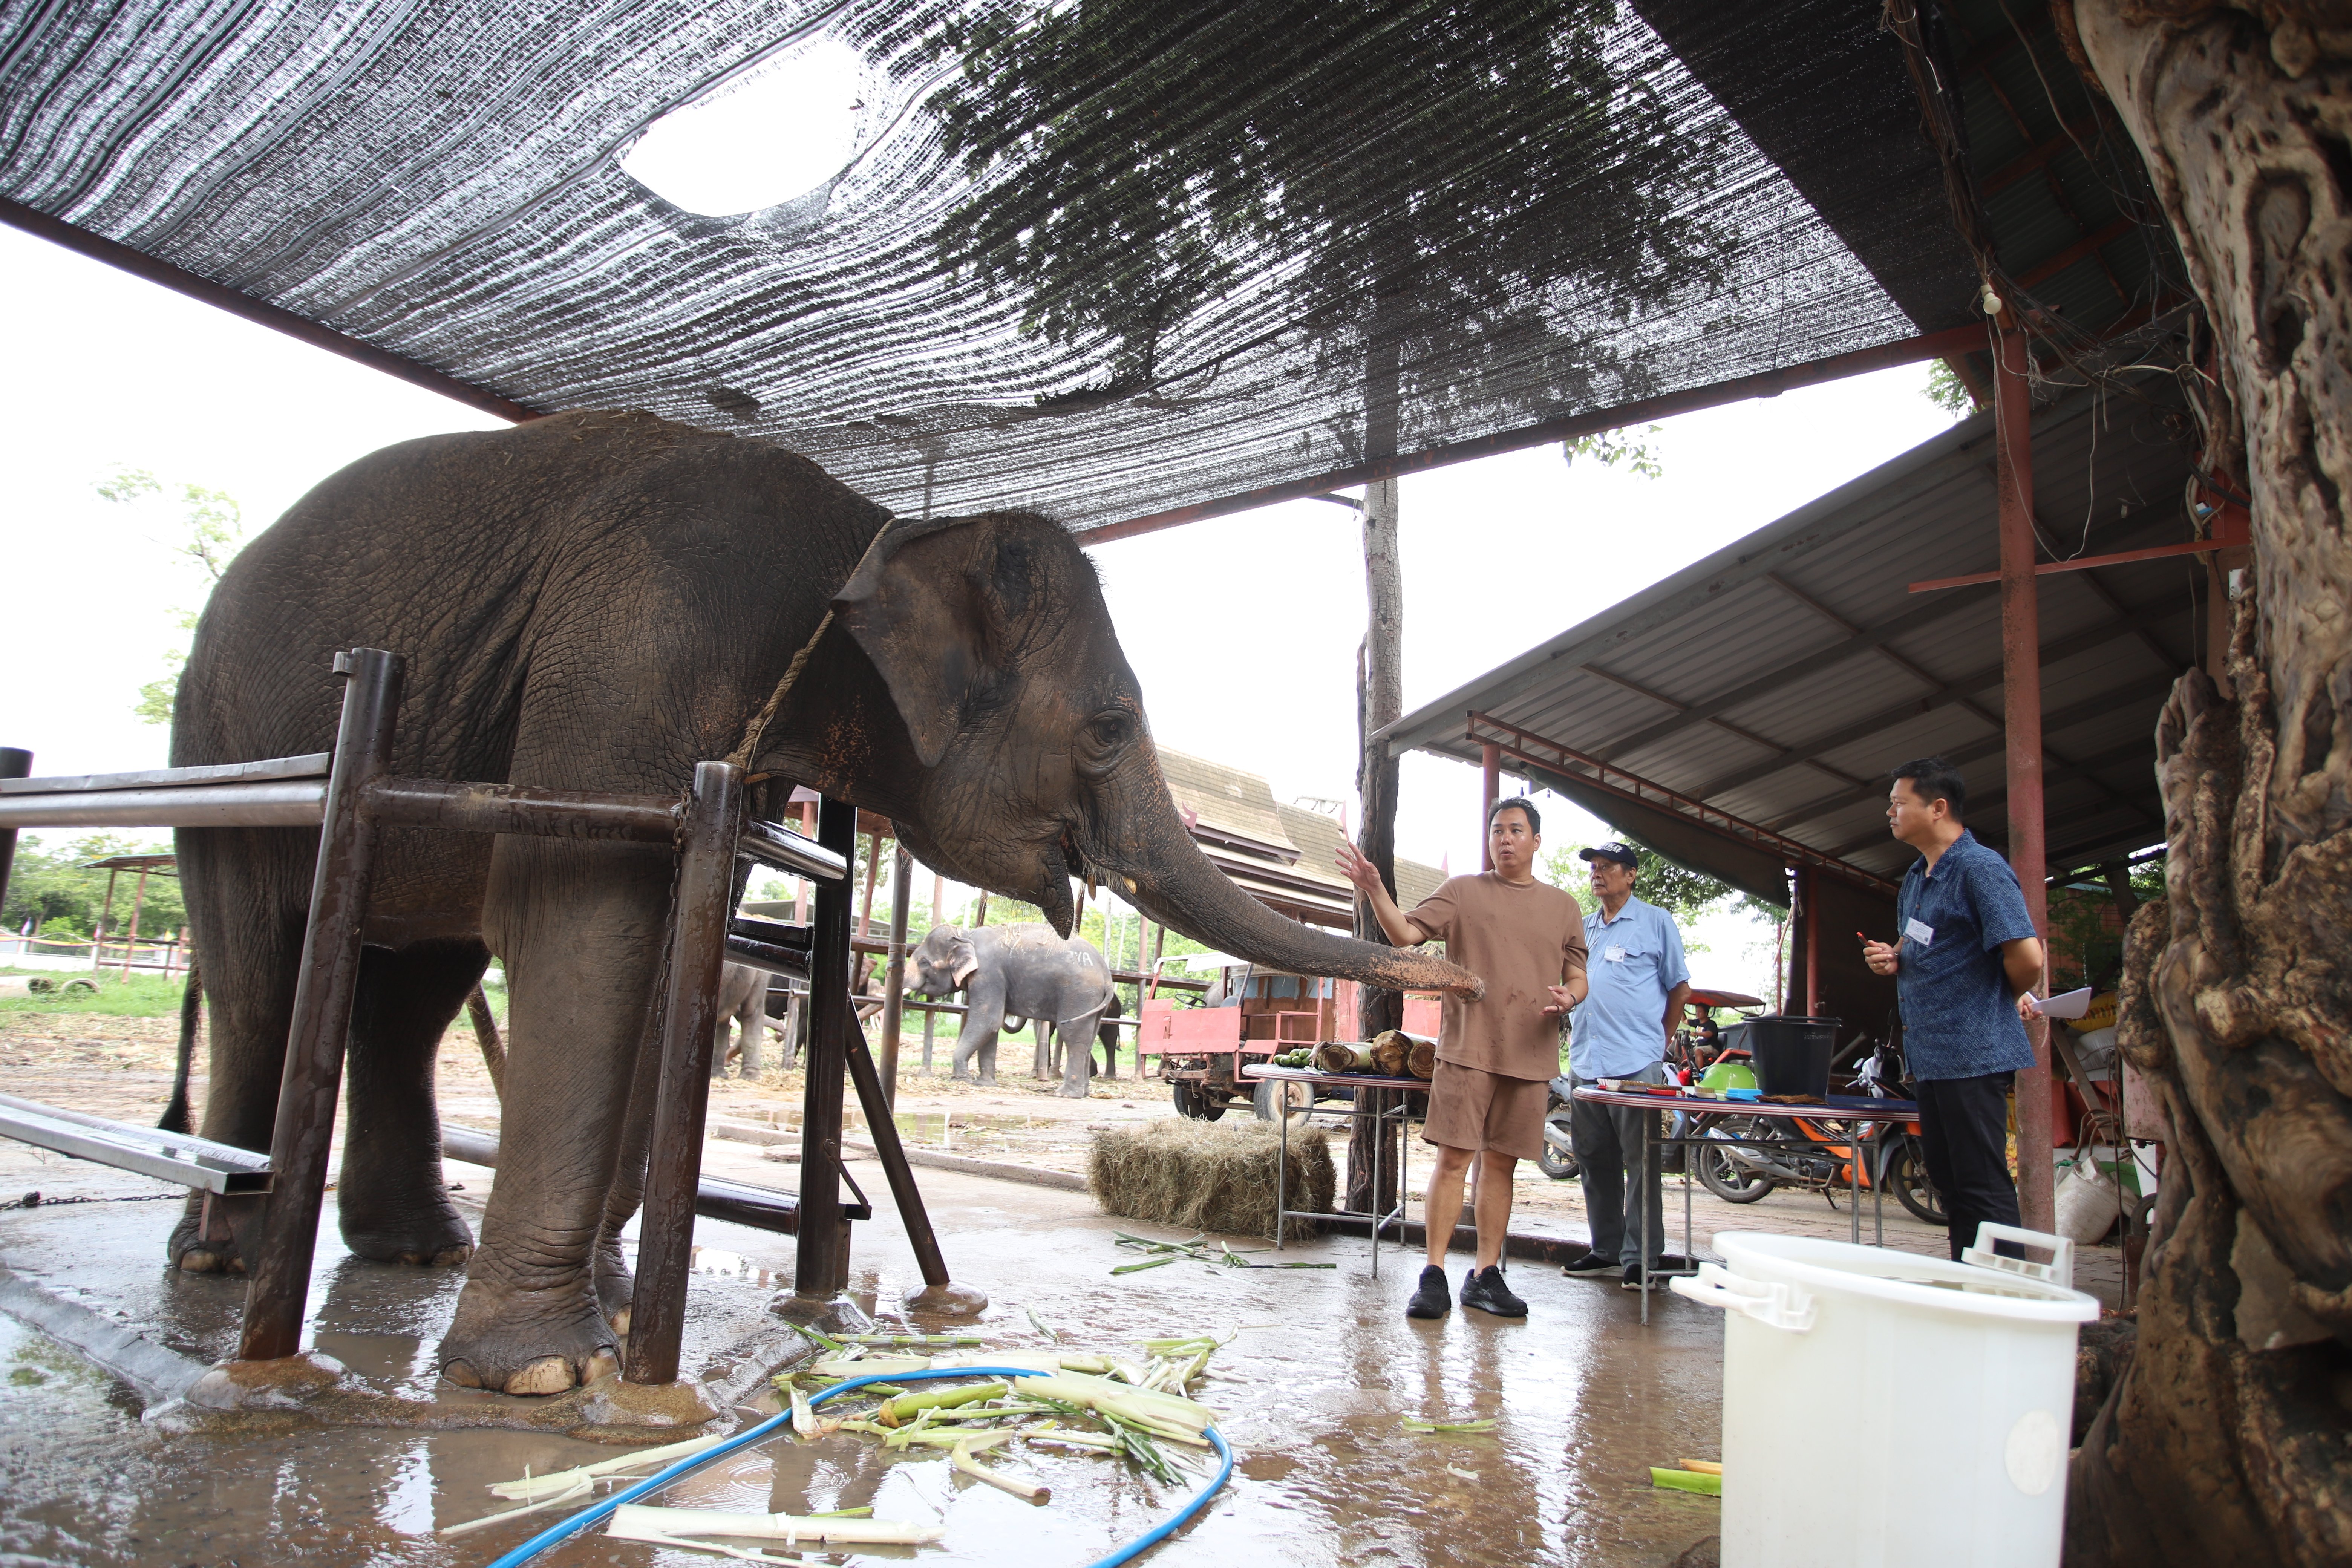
(1313, 1387)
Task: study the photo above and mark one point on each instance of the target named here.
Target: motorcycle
(1557, 1160)
(1800, 1154)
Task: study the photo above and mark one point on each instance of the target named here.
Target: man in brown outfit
(1495, 1056)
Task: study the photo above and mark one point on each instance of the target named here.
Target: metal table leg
(1853, 1177)
(1356, 1109)
(1281, 1171)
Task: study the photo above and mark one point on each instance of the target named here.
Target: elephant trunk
(1155, 865)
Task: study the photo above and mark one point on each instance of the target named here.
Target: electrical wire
(564, 1530)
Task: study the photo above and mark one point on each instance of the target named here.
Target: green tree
(210, 532)
(1133, 163)
(59, 889)
(1947, 391)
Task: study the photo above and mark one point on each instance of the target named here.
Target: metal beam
(2076, 773)
(261, 312)
(1766, 384)
(197, 1162)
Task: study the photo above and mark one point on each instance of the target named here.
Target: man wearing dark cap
(1495, 1056)
(1639, 985)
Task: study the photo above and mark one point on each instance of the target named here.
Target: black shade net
(1098, 259)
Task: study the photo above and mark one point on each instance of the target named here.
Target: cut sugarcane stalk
(1414, 1424)
(871, 1366)
(1051, 1333)
(909, 1339)
(961, 1458)
(843, 1513)
(742, 1554)
(1686, 1481)
(1704, 1467)
(1144, 1406)
(949, 1438)
(642, 1521)
(531, 1487)
(1160, 1262)
(579, 1489)
(908, 1405)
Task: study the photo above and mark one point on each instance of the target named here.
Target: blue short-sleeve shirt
(1959, 1017)
(1631, 964)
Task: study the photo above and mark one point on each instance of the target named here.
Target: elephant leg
(1078, 1049)
(1041, 1055)
(984, 1016)
(528, 1321)
(249, 889)
(749, 1025)
(395, 1205)
(616, 1286)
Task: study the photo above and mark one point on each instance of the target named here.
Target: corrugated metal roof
(1779, 677)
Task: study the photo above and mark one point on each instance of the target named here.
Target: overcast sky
(1242, 629)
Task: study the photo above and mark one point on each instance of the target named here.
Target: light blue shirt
(1635, 962)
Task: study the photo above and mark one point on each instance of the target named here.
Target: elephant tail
(192, 1002)
(1108, 1031)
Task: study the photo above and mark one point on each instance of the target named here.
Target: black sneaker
(1487, 1291)
(1589, 1265)
(1633, 1280)
(1430, 1299)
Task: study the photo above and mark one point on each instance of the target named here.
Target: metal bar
(821, 1263)
(884, 1128)
(772, 846)
(2081, 564)
(191, 1161)
(894, 978)
(14, 763)
(1643, 792)
(715, 1197)
(322, 1006)
(698, 940)
(1765, 384)
(767, 957)
(98, 248)
(785, 934)
(314, 765)
(2020, 644)
(293, 802)
(522, 808)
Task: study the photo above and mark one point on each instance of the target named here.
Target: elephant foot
(527, 1341)
(616, 1288)
(436, 1237)
(234, 1235)
(1075, 1091)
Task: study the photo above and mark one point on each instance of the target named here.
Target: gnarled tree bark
(2228, 1438)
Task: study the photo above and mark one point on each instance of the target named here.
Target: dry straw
(1209, 1176)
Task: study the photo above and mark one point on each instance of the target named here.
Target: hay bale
(1209, 1176)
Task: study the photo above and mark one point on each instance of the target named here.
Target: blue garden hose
(555, 1534)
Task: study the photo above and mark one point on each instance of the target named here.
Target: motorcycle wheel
(1558, 1162)
(1719, 1172)
(1907, 1172)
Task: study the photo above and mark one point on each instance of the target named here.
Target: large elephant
(598, 602)
(742, 1002)
(1015, 972)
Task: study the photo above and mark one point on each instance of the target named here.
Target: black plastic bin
(1792, 1054)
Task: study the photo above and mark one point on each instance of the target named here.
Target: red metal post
(1490, 764)
(1808, 883)
(2020, 657)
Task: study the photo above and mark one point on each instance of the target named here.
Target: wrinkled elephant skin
(598, 602)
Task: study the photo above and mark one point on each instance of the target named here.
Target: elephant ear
(935, 606)
(961, 961)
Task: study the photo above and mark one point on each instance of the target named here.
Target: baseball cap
(1617, 850)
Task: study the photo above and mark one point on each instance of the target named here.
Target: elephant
(600, 601)
(1014, 972)
(743, 1002)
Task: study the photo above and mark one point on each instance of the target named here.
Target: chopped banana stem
(946, 1398)
(960, 1456)
(578, 1489)
(632, 1522)
(803, 1417)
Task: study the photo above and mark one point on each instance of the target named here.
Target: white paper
(1922, 934)
(2067, 1005)
(1612, 955)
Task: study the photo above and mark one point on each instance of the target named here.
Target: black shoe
(1486, 1290)
(1589, 1265)
(1633, 1280)
(1430, 1299)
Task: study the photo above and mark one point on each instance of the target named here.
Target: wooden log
(1423, 1061)
(1342, 1055)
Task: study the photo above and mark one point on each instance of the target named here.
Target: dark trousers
(1611, 1140)
(1964, 1129)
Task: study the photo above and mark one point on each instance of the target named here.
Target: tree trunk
(1379, 701)
(2227, 1440)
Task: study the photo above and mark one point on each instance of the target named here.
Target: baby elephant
(1023, 971)
(743, 1002)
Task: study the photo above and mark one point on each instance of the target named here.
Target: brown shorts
(1474, 1109)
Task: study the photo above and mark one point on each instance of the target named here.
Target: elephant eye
(1107, 736)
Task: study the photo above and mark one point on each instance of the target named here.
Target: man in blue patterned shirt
(1965, 962)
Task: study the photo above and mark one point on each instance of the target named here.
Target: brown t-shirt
(1521, 941)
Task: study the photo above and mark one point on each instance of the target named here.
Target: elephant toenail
(463, 1374)
(548, 1374)
(196, 1262)
(621, 1322)
(603, 1365)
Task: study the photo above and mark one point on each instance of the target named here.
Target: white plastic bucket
(1881, 1408)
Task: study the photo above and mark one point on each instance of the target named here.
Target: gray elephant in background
(743, 1002)
(1017, 972)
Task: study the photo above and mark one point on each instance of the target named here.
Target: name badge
(1613, 954)
(1924, 935)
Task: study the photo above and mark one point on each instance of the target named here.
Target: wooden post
(821, 1258)
(138, 900)
(2020, 662)
(981, 918)
(1808, 883)
(1380, 701)
(894, 977)
(322, 1009)
(105, 913)
(690, 1019)
(865, 906)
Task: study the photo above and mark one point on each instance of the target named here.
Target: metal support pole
(2021, 651)
(1809, 883)
(697, 950)
(105, 913)
(893, 1156)
(894, 976)
(14, 763)
(322, 1009)
(821, 1260)
(1490, 790)
(138, 902)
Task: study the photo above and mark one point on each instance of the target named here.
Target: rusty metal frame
(1527, 747)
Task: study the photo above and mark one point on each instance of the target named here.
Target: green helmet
(1728, 1075)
